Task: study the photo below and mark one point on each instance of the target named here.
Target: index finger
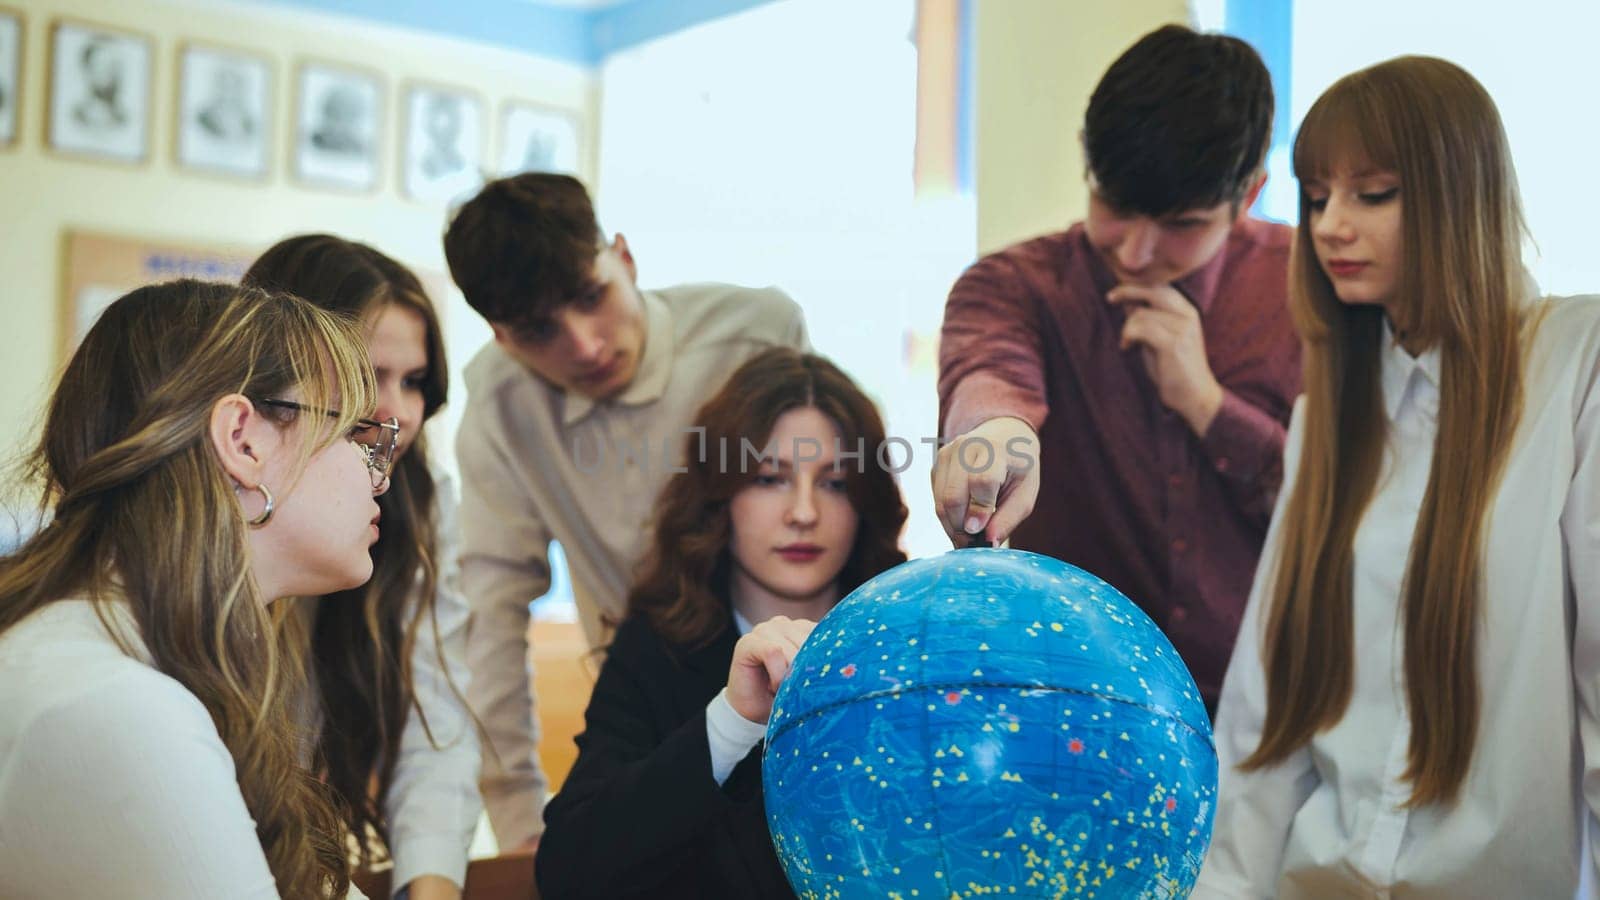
(795, 631)
(1014, 508)
(1162, 297)
(987, 477)
(949, 491)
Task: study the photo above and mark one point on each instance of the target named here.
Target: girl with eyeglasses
(395, 739)
(147, 743)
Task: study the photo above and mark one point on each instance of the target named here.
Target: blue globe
(989, 723)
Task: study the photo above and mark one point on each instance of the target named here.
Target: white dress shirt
(1330, 820)
(539, 464)
(113, 779)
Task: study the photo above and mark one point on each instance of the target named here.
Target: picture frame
(11, 47)
(338, 126)
(100, 91)
(224, 111)
(442, 156)
(539, 138)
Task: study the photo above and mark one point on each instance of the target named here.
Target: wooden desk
(507, 877)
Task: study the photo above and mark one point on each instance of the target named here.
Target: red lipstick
(800, 553)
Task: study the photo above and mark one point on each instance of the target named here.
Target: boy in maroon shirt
(1115, 395)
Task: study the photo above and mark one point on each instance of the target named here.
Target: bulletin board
(100, 267)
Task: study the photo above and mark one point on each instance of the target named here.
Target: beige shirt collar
(655, 368)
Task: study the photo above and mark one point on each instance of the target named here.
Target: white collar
(1401, 369)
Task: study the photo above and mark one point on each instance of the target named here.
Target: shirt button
(1175, 480)
(1222, 464)
(1179, 545)
(1179, 614)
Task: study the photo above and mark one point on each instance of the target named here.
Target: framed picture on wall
(10, 75)
(536, 138)
(443, 156)
(224, 111)
(99, 92)
(338, 126)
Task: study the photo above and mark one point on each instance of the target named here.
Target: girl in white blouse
(1413, 705)
(204, 455)
(396, 741)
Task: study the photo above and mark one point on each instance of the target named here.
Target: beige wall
(1037, 62)
(42, 195)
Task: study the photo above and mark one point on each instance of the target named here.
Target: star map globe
(989, 723)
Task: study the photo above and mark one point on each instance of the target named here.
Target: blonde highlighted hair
(143, 513)
(1461, 290)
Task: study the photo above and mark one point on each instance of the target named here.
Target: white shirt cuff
(417, 856)
(731, 735)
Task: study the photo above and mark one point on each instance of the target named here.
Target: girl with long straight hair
(205, 454)
(1413, 706)
(664, 800)
(395, 741)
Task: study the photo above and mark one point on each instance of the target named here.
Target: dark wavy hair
(682, 587)
(523, 246)
(1181, 120)
(362, 639)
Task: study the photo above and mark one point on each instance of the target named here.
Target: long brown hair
(144, 512)
(1461, 291)
(683, 584)
(363, 638)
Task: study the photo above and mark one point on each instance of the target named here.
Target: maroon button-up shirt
(1127, 490)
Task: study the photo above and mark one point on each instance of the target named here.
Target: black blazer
(640, 814)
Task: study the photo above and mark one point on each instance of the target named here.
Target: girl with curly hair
(780, 511)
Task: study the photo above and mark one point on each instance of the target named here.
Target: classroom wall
(1538, 66)
(721, 164)
(1037, 63)
(44, 193)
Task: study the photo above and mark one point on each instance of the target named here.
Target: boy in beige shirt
(576, 415)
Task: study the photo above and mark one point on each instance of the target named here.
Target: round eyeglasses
(377, 440)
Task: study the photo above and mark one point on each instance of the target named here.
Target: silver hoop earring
(266, 512)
